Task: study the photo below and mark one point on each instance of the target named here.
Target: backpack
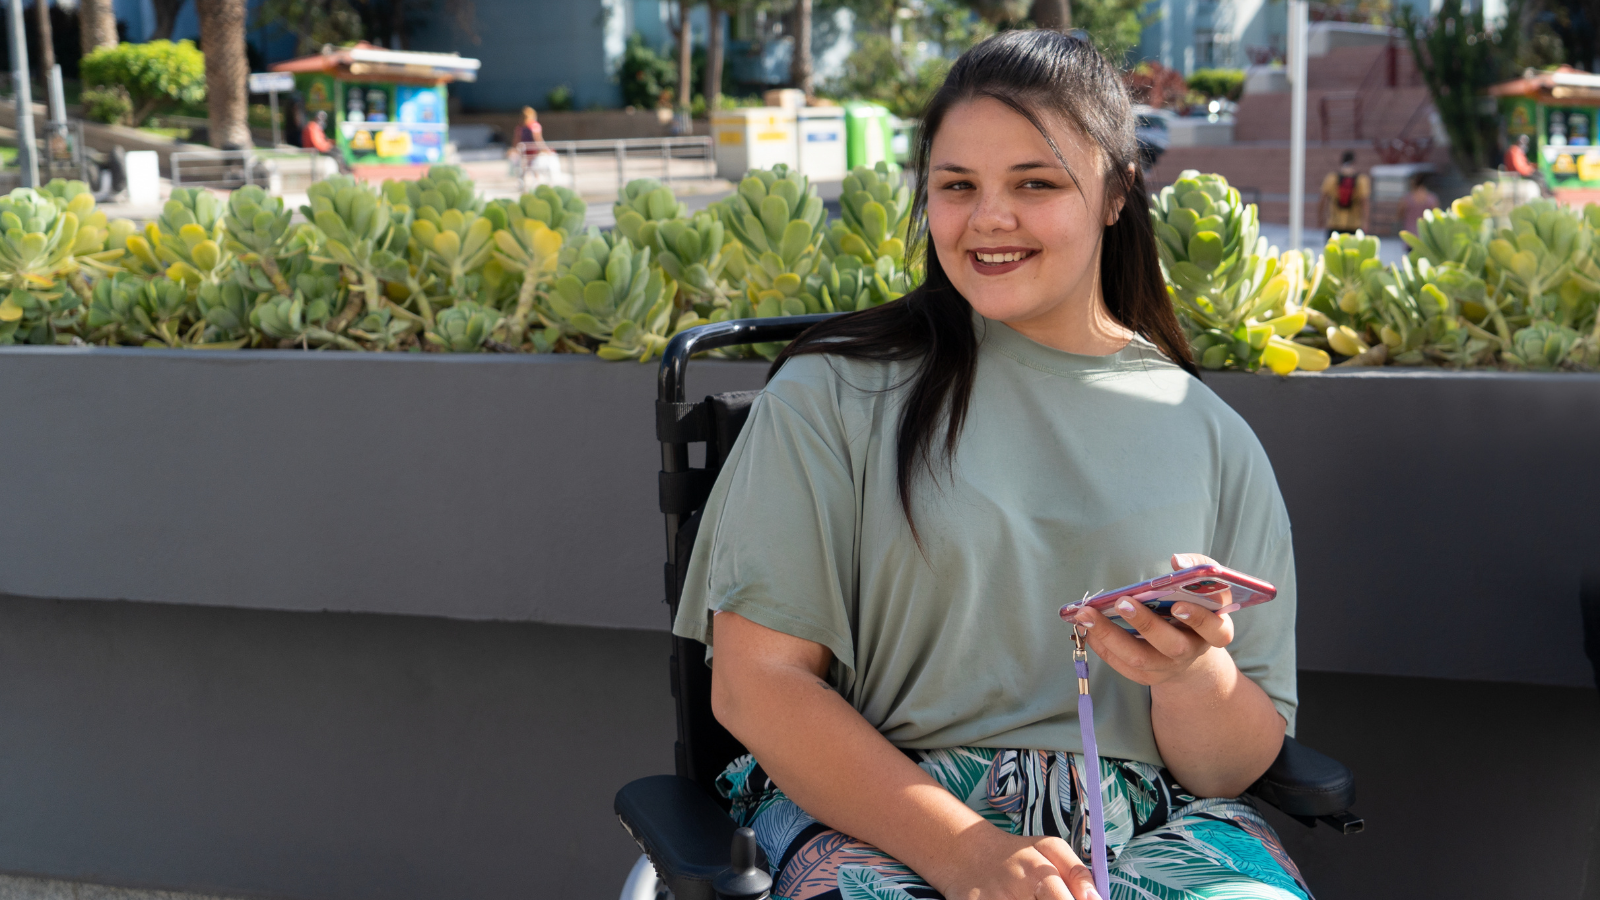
(1347, 191)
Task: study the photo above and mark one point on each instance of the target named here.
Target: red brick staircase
(1356, 97)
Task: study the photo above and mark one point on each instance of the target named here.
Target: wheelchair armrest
(683, 831)
(1306, 784)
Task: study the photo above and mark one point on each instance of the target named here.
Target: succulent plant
(444, 187)
(286, 321)
(610, 293)
(154, 312)
(691, 252)
(644, 204)
(1235, 296)
(875, 206)
(464, 327)
(38, 265)
(557, 207)
(365, 234)
(1542, 345)
(773, 210)
(258, 231)
(531, 250)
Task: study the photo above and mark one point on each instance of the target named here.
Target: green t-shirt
(1073, 473)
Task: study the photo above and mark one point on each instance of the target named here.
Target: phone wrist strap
(1091, 766)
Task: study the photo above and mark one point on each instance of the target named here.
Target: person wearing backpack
(1346, 195)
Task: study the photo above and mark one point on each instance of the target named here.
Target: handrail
(662, 147)
(684, 344)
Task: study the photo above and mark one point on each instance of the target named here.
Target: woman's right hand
(999, 865)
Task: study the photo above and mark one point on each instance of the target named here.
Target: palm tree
(222, 25)
(713, 88)
(1053, 14)
(800, 68)
(97, 25)
(47, 43)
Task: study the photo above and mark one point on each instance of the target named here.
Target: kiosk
(1556, 110)
(387, 109)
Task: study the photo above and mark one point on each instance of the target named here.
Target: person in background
(530, 131)
(1346, 205)
(1517, 158)
(1416, 202)
(315, 137)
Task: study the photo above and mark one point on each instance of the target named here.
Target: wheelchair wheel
(642, 883)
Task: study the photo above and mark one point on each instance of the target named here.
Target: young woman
(923, 485)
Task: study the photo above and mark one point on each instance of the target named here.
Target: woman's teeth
(997, 258)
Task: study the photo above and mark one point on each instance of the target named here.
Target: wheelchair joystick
(743, 879)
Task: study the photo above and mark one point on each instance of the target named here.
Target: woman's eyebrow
(1019, 167)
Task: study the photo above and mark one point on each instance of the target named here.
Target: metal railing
(592, 161)
(219, 168)
(269, 169)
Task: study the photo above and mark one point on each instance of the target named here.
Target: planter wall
(523, 489)
(394, 628)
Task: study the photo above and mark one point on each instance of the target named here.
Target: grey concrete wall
(338, 756)
(322, 756)
(523, 488)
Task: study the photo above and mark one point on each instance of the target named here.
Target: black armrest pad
(1303, 782)
(683, 831)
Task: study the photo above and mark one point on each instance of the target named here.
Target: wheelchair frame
(678, 820)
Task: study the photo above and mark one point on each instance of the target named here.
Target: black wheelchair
(691, 848)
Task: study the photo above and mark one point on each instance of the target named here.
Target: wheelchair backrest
(704, 747)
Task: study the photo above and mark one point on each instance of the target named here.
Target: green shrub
(1218, 84)
(648, 78)
(107, 104)
(559, 99)
(156, 74)
(875, 72)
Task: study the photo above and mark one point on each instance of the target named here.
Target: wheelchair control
(743, 879)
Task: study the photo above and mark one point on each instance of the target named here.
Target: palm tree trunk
(1055, 15)
(97, 25)
(685, 58)
(47, 44)
(166, 18)
(800, 68)
(713, 90)
(227, 71)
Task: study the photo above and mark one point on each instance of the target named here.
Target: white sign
(271, 82)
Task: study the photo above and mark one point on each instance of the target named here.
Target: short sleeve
(777, 542)
(1253, 536)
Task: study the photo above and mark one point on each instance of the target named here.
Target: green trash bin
(869, 135)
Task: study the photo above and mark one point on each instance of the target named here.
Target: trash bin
(821, 150)
(755, 138)
(867, 134)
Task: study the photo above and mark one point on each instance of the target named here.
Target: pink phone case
(1217, 588)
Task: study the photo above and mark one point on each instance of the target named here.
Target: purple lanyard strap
(1091, 765)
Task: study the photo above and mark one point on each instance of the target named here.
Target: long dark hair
(1035, 73)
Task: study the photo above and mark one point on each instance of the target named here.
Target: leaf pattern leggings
(1164, 844)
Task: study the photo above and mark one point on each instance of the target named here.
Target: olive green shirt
(1073, 473)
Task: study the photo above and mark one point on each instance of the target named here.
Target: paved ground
(1390, 249)
(16, 887)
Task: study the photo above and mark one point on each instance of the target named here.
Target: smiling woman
(920, 487)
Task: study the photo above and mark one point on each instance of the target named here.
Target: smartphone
(1217, 588)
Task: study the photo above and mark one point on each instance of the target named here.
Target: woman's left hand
(1168, 650)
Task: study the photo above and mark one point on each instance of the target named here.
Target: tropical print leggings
(1163, 843)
